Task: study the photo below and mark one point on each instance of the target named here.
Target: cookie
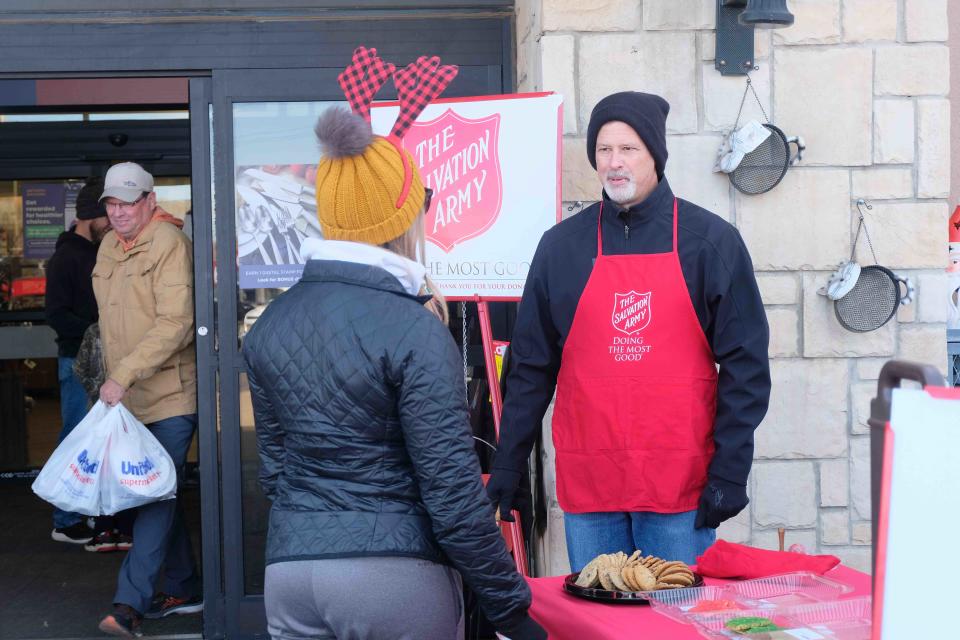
(667, 565)
(588, 577)
(679, 579)
(644, 578)
(656, 566)
(672, 571)
(617, 580)
(603, 573)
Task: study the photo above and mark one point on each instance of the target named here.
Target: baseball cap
(126, 181)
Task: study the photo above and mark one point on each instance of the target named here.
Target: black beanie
(88, 200)
(646, 114)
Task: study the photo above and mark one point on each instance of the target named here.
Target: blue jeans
(666, 535)
(160, 537)
(73, 408)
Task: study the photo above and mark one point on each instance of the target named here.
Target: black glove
(720, 500)
(503, 489)
(525, 629)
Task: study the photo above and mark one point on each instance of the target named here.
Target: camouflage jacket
(88, 365)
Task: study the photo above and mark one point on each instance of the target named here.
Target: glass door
(264, 159)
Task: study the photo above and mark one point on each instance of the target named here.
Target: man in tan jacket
(143, 282)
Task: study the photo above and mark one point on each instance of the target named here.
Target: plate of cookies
(623, 579)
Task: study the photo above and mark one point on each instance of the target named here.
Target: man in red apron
(644, 313)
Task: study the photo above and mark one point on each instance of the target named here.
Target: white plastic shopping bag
(137, 469)
(71, 478)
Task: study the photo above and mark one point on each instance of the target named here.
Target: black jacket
(70, 304)
(720, 279)
(363, 433)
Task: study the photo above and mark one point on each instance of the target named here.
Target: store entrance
(49, 588)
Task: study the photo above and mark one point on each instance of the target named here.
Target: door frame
(207, 356)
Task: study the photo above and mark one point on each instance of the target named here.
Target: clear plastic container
(790, 588)
(767, 593)
(837, 620)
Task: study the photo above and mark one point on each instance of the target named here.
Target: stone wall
(866, 83)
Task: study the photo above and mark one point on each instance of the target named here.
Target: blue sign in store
(44, 209)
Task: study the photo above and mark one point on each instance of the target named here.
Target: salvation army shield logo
(459, 159)
(631, 311)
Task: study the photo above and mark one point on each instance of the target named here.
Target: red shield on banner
(459, 159)
(631, 311)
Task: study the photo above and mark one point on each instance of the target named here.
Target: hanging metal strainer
(763, 168)
(872, 302)
(876, 296)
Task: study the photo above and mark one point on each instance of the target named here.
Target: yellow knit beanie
(360, 180)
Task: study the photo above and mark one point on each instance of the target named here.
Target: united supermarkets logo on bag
(84, 470)
(144, 472)
(86, 465)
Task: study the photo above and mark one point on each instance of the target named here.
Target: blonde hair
(412, 244)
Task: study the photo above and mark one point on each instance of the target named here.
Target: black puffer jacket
(363, 434)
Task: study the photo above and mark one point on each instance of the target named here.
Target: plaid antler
(417, 84)
(363, 78)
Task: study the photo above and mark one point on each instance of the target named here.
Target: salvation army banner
(493, 164)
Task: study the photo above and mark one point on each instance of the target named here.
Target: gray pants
(363, 599)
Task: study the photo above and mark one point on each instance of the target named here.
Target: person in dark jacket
(378, 509)
(643, 313)
(70, 308)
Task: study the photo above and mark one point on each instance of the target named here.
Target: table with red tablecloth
(566, 617)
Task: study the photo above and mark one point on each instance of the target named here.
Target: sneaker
(78, 533)
(124, 622)
(103, 542)
(163, 605)
(123, 542)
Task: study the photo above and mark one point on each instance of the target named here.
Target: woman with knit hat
(378, 510)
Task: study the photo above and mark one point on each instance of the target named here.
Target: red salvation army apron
(636, 392)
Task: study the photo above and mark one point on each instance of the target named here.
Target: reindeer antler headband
(417, 84)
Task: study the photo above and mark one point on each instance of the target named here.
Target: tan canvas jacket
(145, 298)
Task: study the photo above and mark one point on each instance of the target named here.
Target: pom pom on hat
(341, 135)
(360, 179)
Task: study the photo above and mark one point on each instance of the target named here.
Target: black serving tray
(614, 597)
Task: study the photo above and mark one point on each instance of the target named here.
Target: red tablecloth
(568, 618)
